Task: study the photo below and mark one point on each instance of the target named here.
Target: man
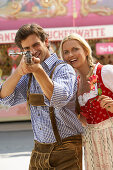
(57, 131)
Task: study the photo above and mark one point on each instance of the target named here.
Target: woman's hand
(106, 102)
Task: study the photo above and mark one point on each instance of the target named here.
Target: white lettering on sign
(7, 36)
(57, 34)
(86, 33)
(104, 48)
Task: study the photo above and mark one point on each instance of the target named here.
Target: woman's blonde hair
(85, 46)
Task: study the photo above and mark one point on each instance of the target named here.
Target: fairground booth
(91, 19)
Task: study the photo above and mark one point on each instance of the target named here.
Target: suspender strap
(54, 126)
(52, 116)
(28, 90)
(51, 109)
(51, 75)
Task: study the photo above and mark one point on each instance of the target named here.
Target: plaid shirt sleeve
(65, 85)
(19, 95)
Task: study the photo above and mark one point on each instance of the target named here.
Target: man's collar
(51, 60)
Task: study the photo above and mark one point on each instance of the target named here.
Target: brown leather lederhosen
(63, 154)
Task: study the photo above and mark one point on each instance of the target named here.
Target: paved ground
(18, 161)
(16, 143)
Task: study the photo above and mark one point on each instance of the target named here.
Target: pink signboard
(47, 13)
(15, 113)
(55, 13)
(94, 12)
(57, 34)
(104, 48)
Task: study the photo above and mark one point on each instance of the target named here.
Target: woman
(95, 97)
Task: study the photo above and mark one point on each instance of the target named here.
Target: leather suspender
(38, 100)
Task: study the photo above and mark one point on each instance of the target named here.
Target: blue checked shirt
(65, 87)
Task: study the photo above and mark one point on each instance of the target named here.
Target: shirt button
(40, 129)
(38, 114)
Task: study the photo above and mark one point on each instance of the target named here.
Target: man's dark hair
(29, 29)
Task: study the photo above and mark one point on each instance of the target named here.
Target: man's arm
(45, 82)
(41, 77)
(10, 84)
